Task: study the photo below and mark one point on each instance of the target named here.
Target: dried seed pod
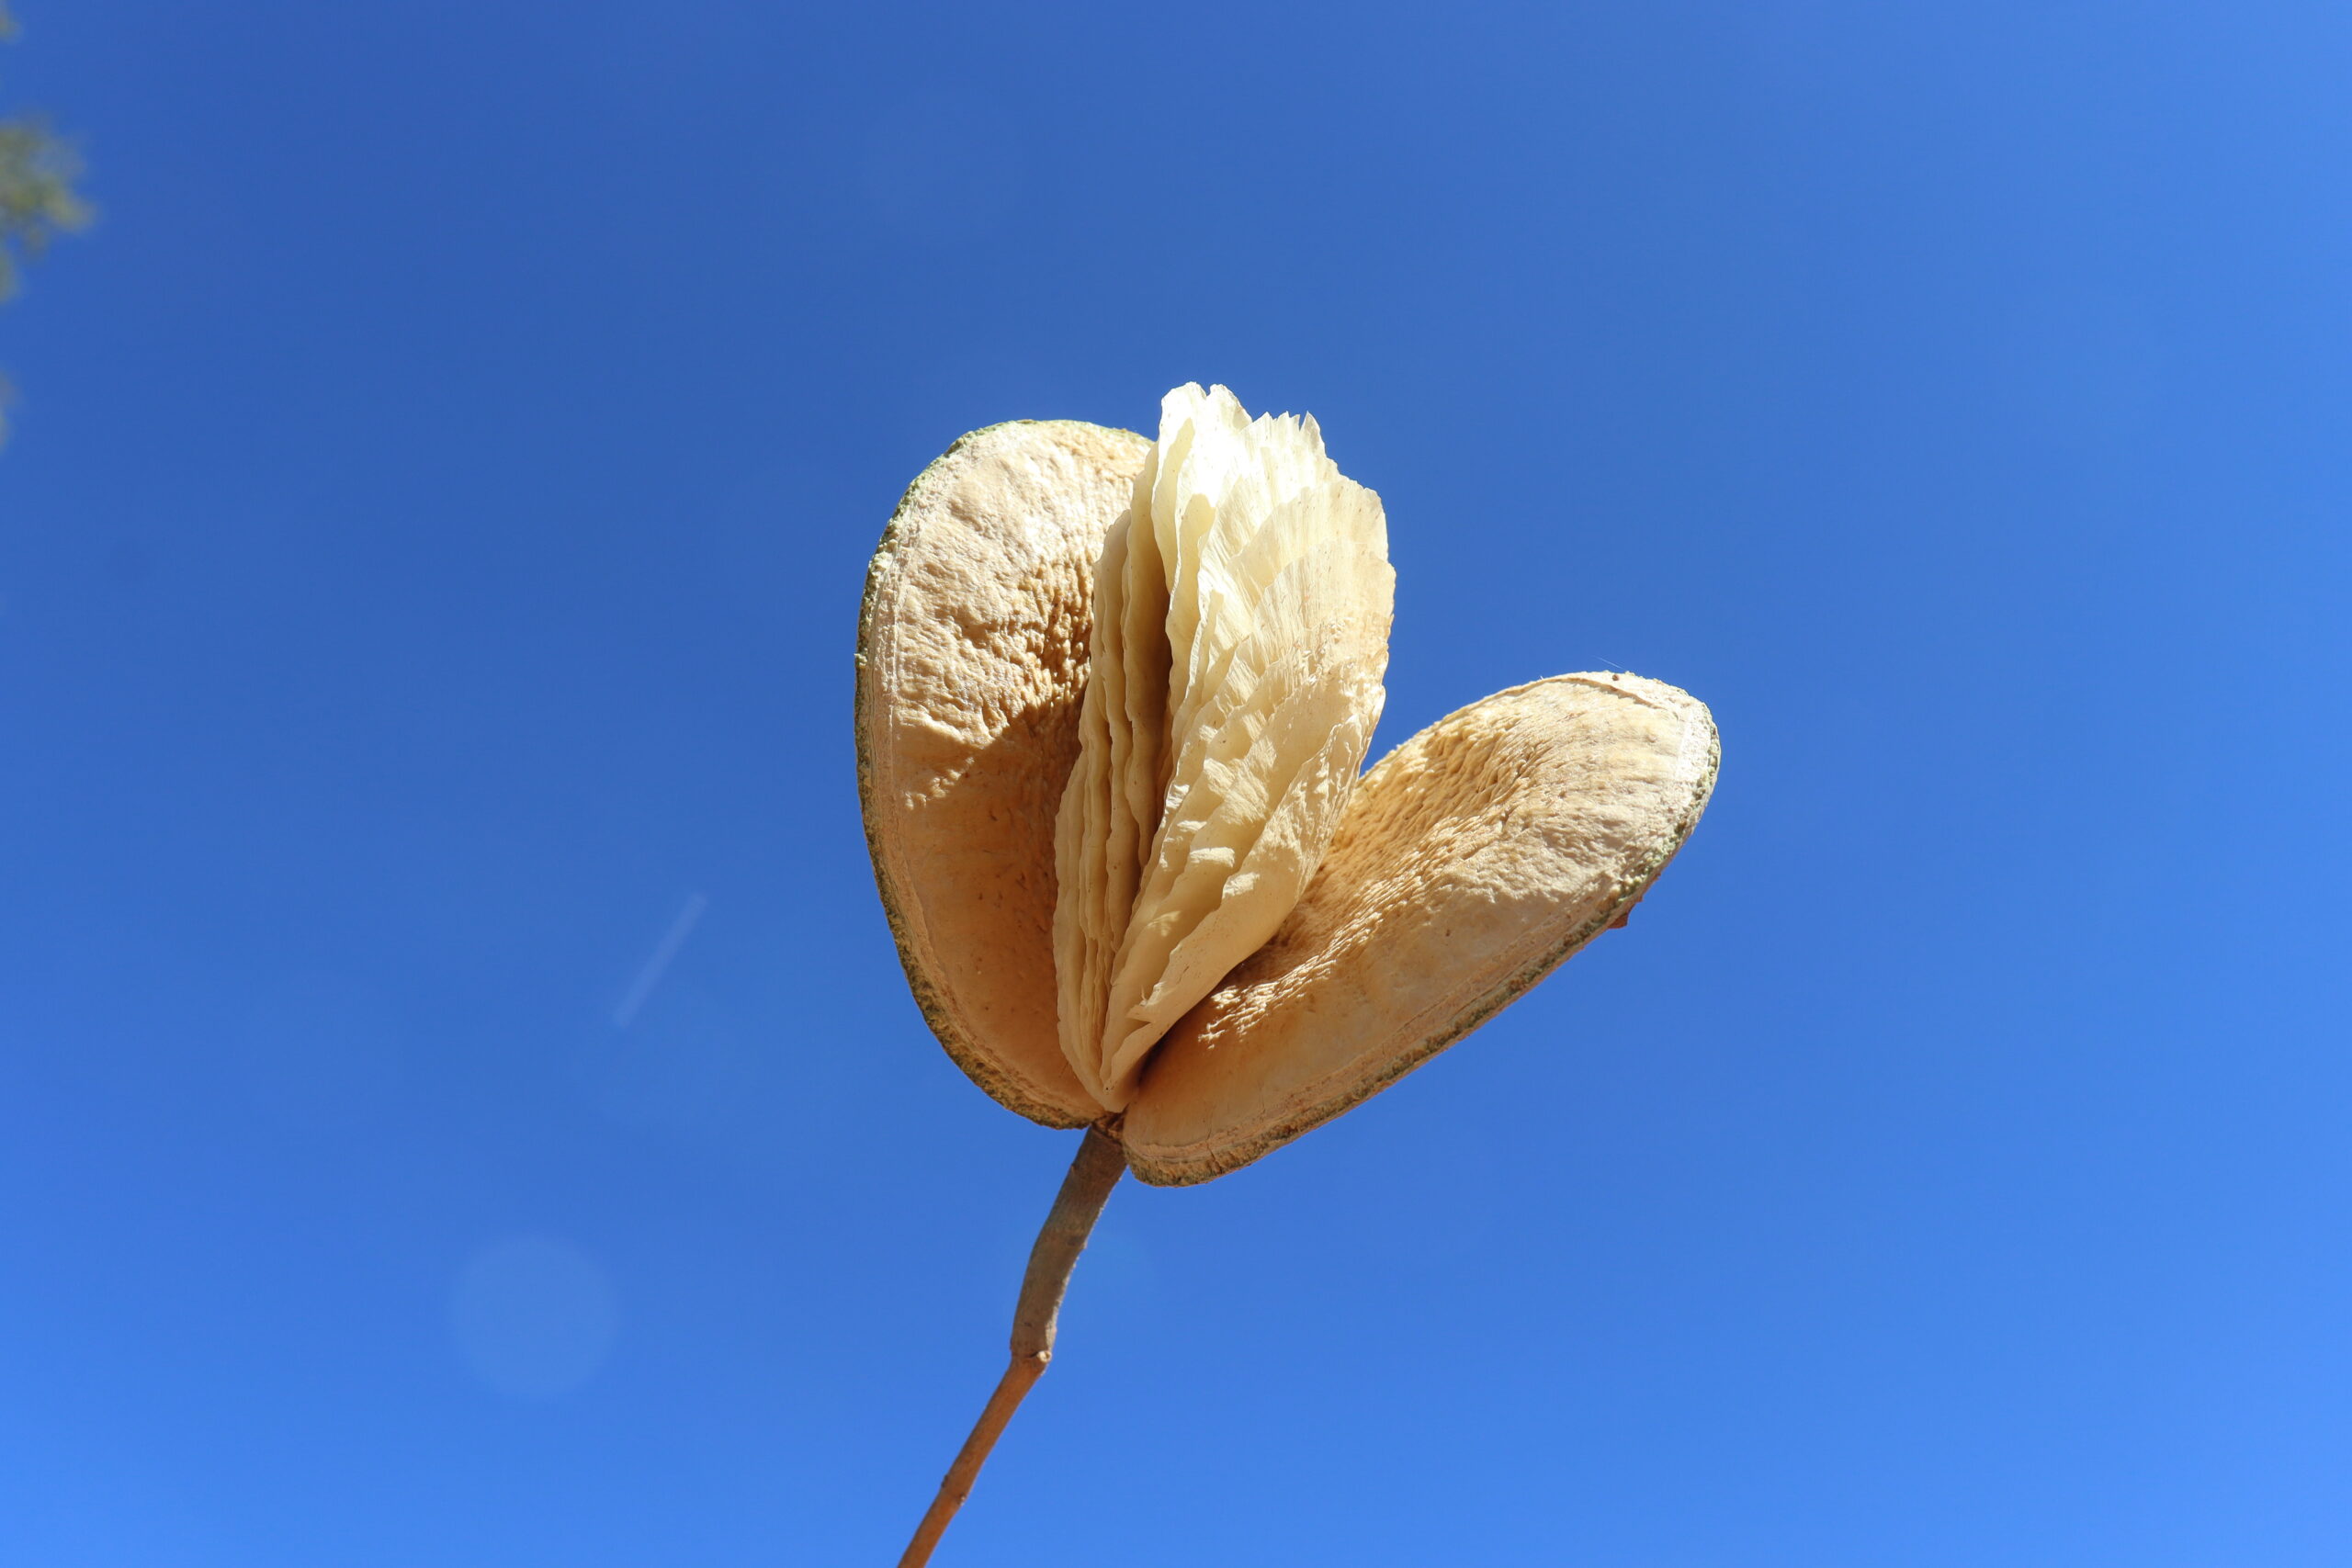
(1111, 700)
(1472, 861)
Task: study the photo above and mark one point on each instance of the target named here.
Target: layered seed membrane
(1241, 614)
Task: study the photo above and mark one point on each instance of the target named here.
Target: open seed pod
(1113, 698)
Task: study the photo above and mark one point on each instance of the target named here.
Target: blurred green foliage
(37, 196)
(37, 199)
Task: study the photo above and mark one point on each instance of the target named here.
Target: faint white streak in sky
(650, 975)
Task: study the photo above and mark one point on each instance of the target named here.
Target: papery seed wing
(1256, 797)
(1276, 611)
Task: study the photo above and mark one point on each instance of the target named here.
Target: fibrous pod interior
(1240, 632)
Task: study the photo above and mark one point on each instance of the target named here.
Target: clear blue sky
(430, 550)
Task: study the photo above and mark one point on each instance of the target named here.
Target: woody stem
(1100, 1162)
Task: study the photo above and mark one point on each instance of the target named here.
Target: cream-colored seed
(1241, 620)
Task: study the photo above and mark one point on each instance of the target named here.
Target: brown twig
(1100, 1164)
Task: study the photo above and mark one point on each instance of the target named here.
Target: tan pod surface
(971, 663)
(1475, 859)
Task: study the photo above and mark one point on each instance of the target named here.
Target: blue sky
(429, 557)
